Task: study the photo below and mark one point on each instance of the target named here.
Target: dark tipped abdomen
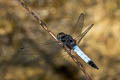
(93, 64)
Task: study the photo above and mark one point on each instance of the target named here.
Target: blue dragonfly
(73, 44)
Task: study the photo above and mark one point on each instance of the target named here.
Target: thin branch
(44, 26)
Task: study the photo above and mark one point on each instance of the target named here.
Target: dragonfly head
(60, 35)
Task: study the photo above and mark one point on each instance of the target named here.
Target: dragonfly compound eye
(60, 35)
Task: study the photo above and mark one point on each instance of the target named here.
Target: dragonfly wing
(30, 48)
(84, 33)
(79, 24)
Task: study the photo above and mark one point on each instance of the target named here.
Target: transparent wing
(79, 24)
(84, 33)
(51, 48)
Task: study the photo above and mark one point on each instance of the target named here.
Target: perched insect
(72, 44)
(68, 41)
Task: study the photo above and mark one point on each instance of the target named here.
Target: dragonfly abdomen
(84, 56)
(81, 54)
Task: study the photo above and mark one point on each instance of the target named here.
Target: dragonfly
(72, 44)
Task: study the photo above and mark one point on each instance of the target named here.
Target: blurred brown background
(24, 57)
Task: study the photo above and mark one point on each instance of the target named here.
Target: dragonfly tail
(84, 57)
(91, 63)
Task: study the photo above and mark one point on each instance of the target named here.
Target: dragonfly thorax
(66, 40)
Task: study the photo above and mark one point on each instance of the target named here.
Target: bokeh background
(27, 52)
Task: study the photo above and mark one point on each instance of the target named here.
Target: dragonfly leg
(63, 46)
(72, 54)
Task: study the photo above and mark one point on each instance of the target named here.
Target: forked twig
(44, 26)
